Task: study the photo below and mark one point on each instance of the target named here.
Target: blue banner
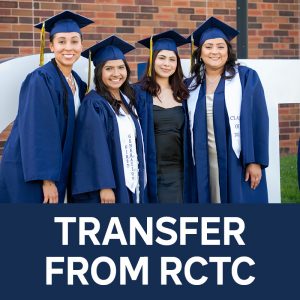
(149, 252)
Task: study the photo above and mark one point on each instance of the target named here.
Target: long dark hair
(198, 66)
(103, 91)
(149, 84)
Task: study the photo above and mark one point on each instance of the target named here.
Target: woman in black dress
(159, 97)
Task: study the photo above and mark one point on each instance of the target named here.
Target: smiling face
(165, 64)
(214, 53)
(67, 48)
(114, 74)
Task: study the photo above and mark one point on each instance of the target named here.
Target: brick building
(273, 31)
(289, 128)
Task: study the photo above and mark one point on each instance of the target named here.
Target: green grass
(289, 181)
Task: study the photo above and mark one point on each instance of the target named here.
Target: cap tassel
(192, 50)
(150, 56)
(89, 72)
(42, 46)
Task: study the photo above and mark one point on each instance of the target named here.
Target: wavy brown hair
(198, 66)
(149, 84)
(103, 91)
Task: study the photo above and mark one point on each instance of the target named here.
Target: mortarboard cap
(168, 40)
(65, 21)
(112, 48)
(212, 29)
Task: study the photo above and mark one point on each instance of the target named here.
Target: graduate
(36, 158)
(160, 95)
(108, 159)
(228, 118)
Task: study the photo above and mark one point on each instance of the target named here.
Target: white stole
(140, 128)
(233, 100)
(127, 135)
(128, 148)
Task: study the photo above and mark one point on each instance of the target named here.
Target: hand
(253, 171)
(50, 192)
(107, 196)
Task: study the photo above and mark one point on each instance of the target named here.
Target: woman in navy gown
(36, 158)
(108, 159)
(228, 119)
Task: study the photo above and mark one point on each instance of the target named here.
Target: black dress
(168, 129)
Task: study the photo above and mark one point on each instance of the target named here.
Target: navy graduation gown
(254, 130)
(40, 144)
(144, 102)
(97, 156)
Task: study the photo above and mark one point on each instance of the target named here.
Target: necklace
(71, 81)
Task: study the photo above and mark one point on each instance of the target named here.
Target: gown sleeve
(40, 139)
(256, 128)
(260, 124)
(91, 163)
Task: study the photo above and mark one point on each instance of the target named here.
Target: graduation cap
(168, 40)
(112, 48)
(212, 29)
(65, 21)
